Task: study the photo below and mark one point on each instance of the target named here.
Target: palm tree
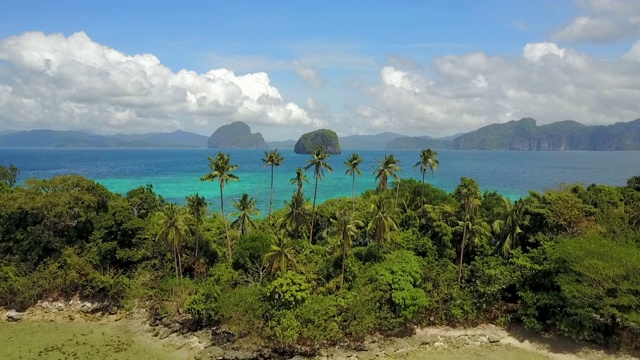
(473, 228)
(280, 255)
(221, 170)
(300, 178)
(353, 163)
(173, 230)
(197, 208)
(381, 223)
(318, 162)
(246, 208)
(508, 228)
(272, 158)
(346, 226)
(388, 168)
(297, 215)
(428, 161)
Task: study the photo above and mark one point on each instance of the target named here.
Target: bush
(243, 310)
(19, 290)
(288, 291)
(204, 305)
(397, 280)
(250, 250)
(283, 328)
(319, 319)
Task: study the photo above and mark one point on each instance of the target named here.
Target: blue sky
(414, 67)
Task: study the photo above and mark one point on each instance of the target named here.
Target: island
(325, 138)
(525, 134)
(236, 135)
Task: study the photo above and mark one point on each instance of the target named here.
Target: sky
(433, 68)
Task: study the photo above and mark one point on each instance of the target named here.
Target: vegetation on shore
(567, 260)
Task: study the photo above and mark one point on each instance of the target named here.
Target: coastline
(175, 338)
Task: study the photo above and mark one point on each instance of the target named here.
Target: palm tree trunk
(344, 259)
(175, 259)
(464, 240)
(397, 191)
(179, 260)
(271, 199)
(195, 266)
(313, 211)
(353, 192)
(224, 220)
(422, 191)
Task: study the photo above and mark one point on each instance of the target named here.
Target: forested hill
(525, 134)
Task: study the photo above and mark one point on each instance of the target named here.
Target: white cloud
(308, 74)
(535, 51)
(53, 81)
(462, 93)
(602, 21)
(634, 52)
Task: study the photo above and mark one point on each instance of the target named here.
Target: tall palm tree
(345, 225)
(280, 255)
(300, 178)
(197, 208)
(318, 162)
(474, 228)
(272, 158)
(246, 208)
(221, 169)
(508, 228)
(388, 168)
(428, 161)
(297, 215)
(353, 163)
(173, 230)
(381, 223)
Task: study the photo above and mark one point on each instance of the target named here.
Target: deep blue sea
(175, 173)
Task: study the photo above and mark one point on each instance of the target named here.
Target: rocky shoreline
(183, 336)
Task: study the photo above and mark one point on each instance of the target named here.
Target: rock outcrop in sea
(236, 135)
(325, 138)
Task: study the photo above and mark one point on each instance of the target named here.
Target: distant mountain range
(522, 134)
(525, 134)
(53, 138)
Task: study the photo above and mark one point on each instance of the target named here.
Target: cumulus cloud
(53, 81)
(603, 21)
(308, 74)
(462, 93)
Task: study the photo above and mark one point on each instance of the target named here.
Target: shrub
(288, 291)
(204, 305)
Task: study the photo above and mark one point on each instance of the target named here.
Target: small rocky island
(236, 135)
(328, 139)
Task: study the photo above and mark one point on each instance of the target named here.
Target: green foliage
(288, 291)
(204, 305)
(250, 250)
(8, 176)
(396, 281)
(634, 182)
(243, 310)
(283, 328)
(600, 282)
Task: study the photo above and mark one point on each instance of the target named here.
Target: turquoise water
(175, 173)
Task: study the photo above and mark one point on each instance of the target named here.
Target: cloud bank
(546, 82)
(603, 21)
(58, 82)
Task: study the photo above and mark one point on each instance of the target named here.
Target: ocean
(175, 173)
